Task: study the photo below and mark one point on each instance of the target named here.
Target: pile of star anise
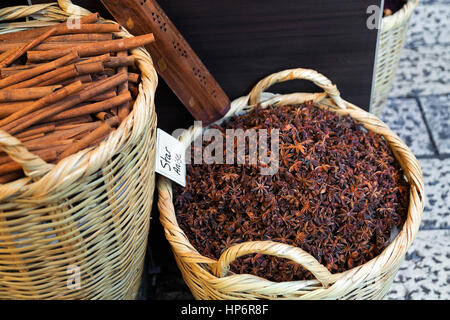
(338, 194)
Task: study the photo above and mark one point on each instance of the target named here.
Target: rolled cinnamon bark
(38, 129)
(104, 96)
(64, 124)
(9, 52)
(133, 77)
(96, 48)
(54, 42)
(109, 72)
(37, 116)
(81, 37)
(120, 61)
(124, 109)
(86, 79)
(43, 46)
(27, 74)
(60, 74)
(89, 67)
(77, 70)
(84, 142)
(104, 115)
(77, 37)
(63, 133)
(24, 48)
(105, 58)
(8, 108)
(33, 146)
(25, 94)
(58, 95)
(9, 71)
(92, 108)
(33, 137)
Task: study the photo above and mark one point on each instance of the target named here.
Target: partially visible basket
(390, 45)
(210, 279)
(87, 216)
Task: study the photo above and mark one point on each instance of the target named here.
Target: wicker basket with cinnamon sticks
(77, 144)
(61, 92)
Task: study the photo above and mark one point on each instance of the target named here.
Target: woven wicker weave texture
(91, 210)
(210, 279)
(392, 37)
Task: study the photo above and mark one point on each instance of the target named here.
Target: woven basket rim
(399, 17)
(79, 163)
(397, 249)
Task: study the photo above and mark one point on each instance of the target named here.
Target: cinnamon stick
(69, 133)
(9, 52)
(60, 29)
(93, 108)
(133, 77)
(105, 58)
(33, 137)
(103, 116)
(27, 74)
(33, 146)
(8, 71)
(9, 108)
(84, 142)
(24, 94)
(120, 61)
(81, 37)
(86, 79)
(43, 46)
(104, 96)
(24, 48)
(124, 109)
(38, 129)
(59, 41)
(96, 48)
(64, 124)
(59, 74)
(37, 116)
(58, 95)
(77, 70)
(109, 72)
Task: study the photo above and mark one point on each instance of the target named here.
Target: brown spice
(338, 194)
(58, 121)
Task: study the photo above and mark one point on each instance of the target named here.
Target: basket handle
(33, 166)
(276, 249)
(71, 8)
(298, 73)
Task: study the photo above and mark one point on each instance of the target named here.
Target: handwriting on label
(170, 155)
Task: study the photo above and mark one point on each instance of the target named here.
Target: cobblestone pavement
(419, 112)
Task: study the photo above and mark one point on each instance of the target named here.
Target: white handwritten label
(170, 157)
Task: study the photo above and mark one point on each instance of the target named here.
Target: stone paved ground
(419, 112)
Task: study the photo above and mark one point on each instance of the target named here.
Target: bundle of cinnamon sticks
(64, 89)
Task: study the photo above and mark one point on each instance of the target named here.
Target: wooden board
(173, 58)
